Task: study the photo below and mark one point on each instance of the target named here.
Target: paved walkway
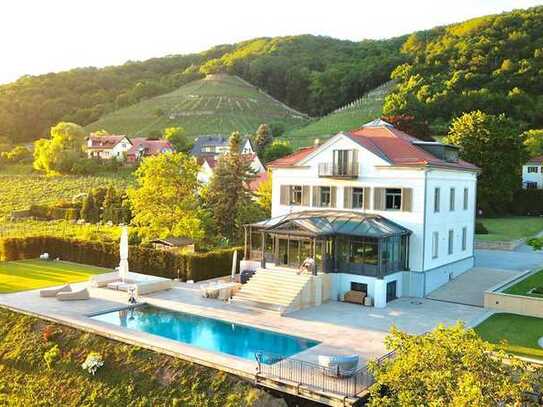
(520, 260)
(469, 287)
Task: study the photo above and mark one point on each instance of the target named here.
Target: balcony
(339, 170)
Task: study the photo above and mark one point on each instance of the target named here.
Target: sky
(39, 36)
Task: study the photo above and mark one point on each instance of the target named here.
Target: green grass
(365, 109)
(33, 274)
(523, 286)
(511, 228)
(517, 334)
(217, 104)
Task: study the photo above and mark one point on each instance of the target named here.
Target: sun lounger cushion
(52, 292)
(102, 280)
(339, 366)
(355, 297)
(153, 286)
(74, 295)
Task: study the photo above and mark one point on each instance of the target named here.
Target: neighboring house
(532, 173)
(142, 147)
(384, 212)
(217, 144)
(208, 164)
(108, 147)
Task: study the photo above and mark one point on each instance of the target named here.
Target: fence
(315, 377)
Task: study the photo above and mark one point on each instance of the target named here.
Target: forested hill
(309, 73)
(492, 63)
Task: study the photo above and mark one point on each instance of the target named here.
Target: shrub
(538, 290)
(48, 333)
(480, 229)
(536, 243)
(93, 362)
(51, 356)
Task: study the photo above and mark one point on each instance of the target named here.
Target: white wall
(536, 177)
(120, 148)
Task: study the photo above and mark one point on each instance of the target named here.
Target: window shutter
(407, 199)
(306, 195)
(284, 198)
(333, 196)
(347, 197)
(316, 197)
(379, 199)
(354, 163)
(367, 202)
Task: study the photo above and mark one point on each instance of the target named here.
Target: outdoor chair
(74, 295)
(339, 366)
(52, 292)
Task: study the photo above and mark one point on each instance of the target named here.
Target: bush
(51, 356)
(480, 229)
(538, 290)
(535, 242)
(190, 266)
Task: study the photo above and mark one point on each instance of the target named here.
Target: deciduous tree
(178, 138)
(275, 150)
(262, 138)
(533, 140)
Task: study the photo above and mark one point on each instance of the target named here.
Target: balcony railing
(336, 170)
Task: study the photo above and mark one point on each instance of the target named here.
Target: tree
(276, 150)
(61, 151)
(264, 195)
(90, 211)
(533, 141)
(450, 366)
(228, 195)
(164, 202)
(177, 136)
(492, 143)
(262, 138)
(410, 125)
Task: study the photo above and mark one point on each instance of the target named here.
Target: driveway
(521, 259)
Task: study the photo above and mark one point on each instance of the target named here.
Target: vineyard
(218, 104)
(348, 117)
(18, 192)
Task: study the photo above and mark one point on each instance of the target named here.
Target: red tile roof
(291, 159)
(108, 141)
(152, 147)
(387, 142)
(259, 179)
(536, 160)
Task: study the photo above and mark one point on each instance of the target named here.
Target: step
(259, 305)
(264, 298)
(282, 287)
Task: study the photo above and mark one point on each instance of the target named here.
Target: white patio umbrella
(123, 265)
(234, 264)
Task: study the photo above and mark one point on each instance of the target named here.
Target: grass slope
(32, 274)
(130, 377)
(218, 104)
(511, 228)
(350, 117)
(514, 333)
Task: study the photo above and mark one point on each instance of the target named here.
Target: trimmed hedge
(191, 266)
(54, 212)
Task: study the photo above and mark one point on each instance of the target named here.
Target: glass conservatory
(339, 241)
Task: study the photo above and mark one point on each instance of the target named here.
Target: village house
(122, 147)
(532, 173)
(379, 211)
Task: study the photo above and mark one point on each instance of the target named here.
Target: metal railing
(333, 169)
(313, 376)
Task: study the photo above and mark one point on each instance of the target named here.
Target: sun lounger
(52, 292)
(102, 280)
(152, 286)
(339, 366)
(74, 295)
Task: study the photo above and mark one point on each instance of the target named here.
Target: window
(451, 199)
(393, 198)
(364, 251)
(435, 245)
(451, 241)
(325, 197)
(464, 238)
(358, 198)
(362, 287)
(532, 169)
(437, 199)
(531, 185)
(209, 149)
(466, 199)
(295, 195)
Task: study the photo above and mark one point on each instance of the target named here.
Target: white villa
(532, 173)
(378, 210)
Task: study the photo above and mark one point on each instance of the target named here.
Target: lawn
(511, 228)
(32, 274)
(519, 332)
(523, 286)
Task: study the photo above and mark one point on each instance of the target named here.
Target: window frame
(532, 169)
(394, 196)
(293, 192)
(531, 185)
(322, 193)
(464, 238)
(450, 246)
(437, 200)
(466, 199)
(435, 245)
(357, 193)
(452, 199)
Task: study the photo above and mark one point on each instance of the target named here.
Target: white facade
(430, 265)
(532, 176)
(109, 151)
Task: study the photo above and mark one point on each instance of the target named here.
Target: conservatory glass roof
(329, 222)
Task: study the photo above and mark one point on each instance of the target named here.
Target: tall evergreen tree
(262, 138)
(228, 190)
(89, 210)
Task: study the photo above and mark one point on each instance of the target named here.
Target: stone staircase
(280, 290)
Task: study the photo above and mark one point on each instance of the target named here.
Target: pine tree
(89, 211)
(109, 205)
(262, 138)
(228, 191)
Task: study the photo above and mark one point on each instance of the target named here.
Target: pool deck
(340, 327)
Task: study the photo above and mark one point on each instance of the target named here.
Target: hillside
(312, 74)
(349, 117)
(492, 63)
(217, 104)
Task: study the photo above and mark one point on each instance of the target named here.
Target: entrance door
(391, 291)
(282, 252)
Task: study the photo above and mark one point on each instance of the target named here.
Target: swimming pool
(206, 333)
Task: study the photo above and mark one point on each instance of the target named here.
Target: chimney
(317, 142)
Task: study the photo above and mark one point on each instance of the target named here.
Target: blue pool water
(206, 333)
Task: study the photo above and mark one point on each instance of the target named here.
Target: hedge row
(191, 266)
(54, 212)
